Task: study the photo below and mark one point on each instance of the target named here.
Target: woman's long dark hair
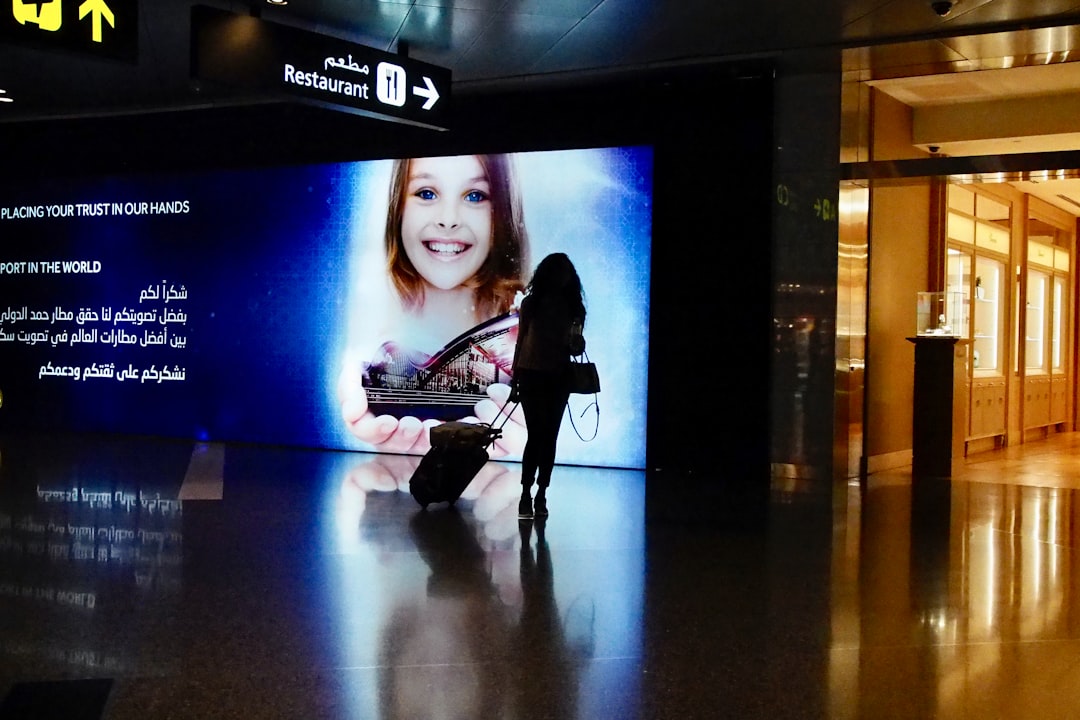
(556, 277)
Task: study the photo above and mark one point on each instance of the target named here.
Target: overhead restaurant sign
(277, 60)
(104, 28)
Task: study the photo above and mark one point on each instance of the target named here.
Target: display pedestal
(936, 440)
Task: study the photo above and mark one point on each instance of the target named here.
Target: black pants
(543, 400)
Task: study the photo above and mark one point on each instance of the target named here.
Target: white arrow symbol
(430, 93)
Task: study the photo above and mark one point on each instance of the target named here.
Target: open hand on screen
(384, 433)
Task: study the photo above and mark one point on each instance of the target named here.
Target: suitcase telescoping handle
(496, 432)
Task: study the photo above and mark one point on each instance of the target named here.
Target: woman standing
(552, 316)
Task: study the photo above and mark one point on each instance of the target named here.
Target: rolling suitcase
(458, 451)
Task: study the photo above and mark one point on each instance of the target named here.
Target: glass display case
(1035, 315)
(977, 257)
(1060, 392)
(1060, 308)
(979, 240)
(1014, 282)
(1057, 334)
(1047, 317)
(988, 316)
(941, 313)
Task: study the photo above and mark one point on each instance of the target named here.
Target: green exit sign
(104, 28)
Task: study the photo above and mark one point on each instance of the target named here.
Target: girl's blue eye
(476, 196)
(425, 194)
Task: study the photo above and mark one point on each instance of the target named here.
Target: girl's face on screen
(446, 221)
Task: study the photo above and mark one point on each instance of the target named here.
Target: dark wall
(711, 299)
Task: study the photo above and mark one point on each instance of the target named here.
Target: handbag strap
(570, 412)
(580, 358)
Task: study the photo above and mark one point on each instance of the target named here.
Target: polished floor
(154, 579)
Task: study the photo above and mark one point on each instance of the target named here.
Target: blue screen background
(272, 262)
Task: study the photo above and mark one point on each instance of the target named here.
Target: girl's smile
(445, 249)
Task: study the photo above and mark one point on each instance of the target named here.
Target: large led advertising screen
(350, 305)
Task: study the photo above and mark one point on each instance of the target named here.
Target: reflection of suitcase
(458, 451)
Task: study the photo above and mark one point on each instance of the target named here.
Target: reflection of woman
(455, 247)
(552, 315)
(549, 663)
(440, 652)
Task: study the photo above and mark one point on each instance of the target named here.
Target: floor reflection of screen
(245, 305)
(89, 531)
(453, 604)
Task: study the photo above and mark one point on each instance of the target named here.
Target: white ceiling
(1064, 194)
(983, 85)
(987, 89)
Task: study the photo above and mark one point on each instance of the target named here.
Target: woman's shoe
(525, 508)
(540, 506)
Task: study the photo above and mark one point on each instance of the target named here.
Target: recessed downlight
(278, 2)
(4, 98)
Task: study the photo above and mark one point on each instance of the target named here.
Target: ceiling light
(3, 93)
(278, 2)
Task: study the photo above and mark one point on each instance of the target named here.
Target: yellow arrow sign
(97, 9)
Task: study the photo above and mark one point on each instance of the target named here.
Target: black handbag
(583, 377)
